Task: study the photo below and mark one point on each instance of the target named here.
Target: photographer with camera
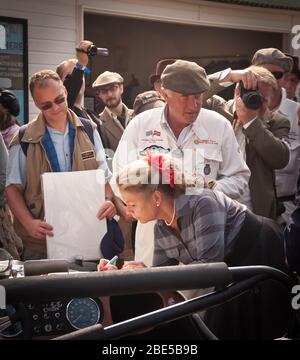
(260, 133)
(72, 73)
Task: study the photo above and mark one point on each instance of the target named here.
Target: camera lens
(92, 50)
(252, 100)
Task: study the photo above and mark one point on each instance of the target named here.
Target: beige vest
(84, 158)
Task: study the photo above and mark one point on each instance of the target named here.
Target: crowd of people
(193, 178)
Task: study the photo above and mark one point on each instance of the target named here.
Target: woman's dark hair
(10, 102)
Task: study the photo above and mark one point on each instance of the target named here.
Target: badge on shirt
(153, 133)
(207, 169)
(87, 155)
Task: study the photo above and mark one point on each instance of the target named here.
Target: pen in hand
(112, 261)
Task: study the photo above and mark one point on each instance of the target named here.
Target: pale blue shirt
(184, 132)
(16, 171)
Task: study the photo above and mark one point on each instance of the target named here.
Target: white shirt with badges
(207, 147)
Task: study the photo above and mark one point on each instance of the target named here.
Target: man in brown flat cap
(147, 100)
(202, 139)
(115, 116)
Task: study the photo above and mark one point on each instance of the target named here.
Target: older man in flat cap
(202, 139)
(115, 117)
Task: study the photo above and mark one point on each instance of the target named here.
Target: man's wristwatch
(212, 184)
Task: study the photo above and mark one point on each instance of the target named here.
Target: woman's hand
(104, 266)
(133, 265)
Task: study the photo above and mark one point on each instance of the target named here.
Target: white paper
(71, 202)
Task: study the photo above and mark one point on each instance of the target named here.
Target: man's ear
(121, 88)
(65, 91)
(164, 94)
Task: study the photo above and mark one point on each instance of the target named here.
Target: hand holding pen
(105, 264)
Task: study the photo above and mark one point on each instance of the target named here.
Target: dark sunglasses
(48, 104)
(277, 74)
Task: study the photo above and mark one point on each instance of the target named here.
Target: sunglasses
(277, 74)
(48, 104)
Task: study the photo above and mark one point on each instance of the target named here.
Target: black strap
(24, 145)
(86, 124)
(88, 128)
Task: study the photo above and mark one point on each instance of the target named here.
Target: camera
(93, 50)
(251, 98)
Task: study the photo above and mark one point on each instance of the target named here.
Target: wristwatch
(212, 184)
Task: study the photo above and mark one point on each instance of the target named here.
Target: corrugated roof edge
(257, 4)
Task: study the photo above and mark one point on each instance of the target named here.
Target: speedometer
(82, 312)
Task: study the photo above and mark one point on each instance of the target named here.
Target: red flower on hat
(157, 161)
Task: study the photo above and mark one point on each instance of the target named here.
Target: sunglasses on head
(48, 104)
(277, 74)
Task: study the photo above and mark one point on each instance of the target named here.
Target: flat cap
(272, 56)
(185, 77)
(147, 100)
(107, 78)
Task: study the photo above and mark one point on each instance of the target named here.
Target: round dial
(83, 312)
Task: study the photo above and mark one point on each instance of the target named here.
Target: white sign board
(71, 201)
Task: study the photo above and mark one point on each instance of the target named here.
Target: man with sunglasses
(57, 141)
(286, 179)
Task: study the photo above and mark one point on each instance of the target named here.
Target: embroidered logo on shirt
(86, 155)
(206, 142)
(153, 133)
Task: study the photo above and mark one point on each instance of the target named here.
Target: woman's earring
(157, 204)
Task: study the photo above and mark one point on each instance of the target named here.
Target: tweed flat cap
(185, 77)
(272, 56)
(107, 78)
(147, 100)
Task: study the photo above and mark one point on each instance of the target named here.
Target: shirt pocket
(212, 162)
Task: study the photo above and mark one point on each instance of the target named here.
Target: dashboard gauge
(82, 312)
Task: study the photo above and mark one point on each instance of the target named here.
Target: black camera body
(93, 50)
(251, 98)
